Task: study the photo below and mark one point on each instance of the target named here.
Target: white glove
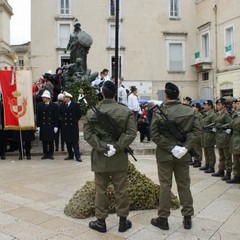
(38, 129)
(55, 130)
(179, 152)
(176, 150)
(214, 130)
(111, 151)
(228, 131)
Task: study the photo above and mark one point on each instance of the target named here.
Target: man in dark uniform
(208, 137)
(109, 159)
(47, 124)
(70, 115)
(173, 156)
(222, 137)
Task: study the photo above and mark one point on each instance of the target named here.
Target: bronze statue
(79, 45)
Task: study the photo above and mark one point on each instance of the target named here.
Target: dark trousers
(59, 135)
(26, 148)
(48, 148)
(73, 149)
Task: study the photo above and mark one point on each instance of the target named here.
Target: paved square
(33, 194)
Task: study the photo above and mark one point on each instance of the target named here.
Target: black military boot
(227, 176)
(162, 223)
(98, 225)
(205, 167)
(210, 170)
(187, 222)
(219, 173)
(124, 224)
(234, 180)
(192, 162)
(197, 164)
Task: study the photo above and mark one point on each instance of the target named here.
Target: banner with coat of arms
(17, 99)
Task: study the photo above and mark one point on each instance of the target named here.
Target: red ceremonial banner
(17, 100)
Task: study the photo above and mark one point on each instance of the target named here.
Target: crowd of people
(204, 126)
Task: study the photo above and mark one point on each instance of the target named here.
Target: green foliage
(82, 86)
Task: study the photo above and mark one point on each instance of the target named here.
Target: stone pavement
(33, 194)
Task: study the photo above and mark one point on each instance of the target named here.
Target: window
(175, 57)
(112, 7)
(205, 76)
(65, 60)
(174, 9)
(119, 66)
(205, 46)
(112, 36)
(64, 32)
(229, 38)
(65, 7)
(20, 61)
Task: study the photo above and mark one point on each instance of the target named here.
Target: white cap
(60, 97)
(66, 94)
(46, 94)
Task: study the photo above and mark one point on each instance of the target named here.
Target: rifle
(222, 127)
(209, 127)
(171, 127)
(107, 124)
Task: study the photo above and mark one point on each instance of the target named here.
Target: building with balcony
(185, 42)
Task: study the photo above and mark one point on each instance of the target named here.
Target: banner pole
(21, 142)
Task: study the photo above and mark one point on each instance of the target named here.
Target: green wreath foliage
(76, 87)
(143, 194)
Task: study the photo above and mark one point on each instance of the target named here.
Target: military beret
(187, 98)
(209, 102)
(197, 105)
(237, 100)
(110, 86)
(221, 100)
(172, 87)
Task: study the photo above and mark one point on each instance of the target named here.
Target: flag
(17, 99)
(228, 53)
(197, 59)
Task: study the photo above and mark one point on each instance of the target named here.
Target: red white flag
(17, 99)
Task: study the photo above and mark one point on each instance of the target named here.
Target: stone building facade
(168, 40)
(22, 55)
(6, 55)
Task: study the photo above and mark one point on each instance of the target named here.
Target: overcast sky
(20, 21)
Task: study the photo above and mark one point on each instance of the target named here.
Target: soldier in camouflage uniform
(198, 146)
(235, 144)
(208, 138)
(222, 137)
(109, 159)
(173, 156)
